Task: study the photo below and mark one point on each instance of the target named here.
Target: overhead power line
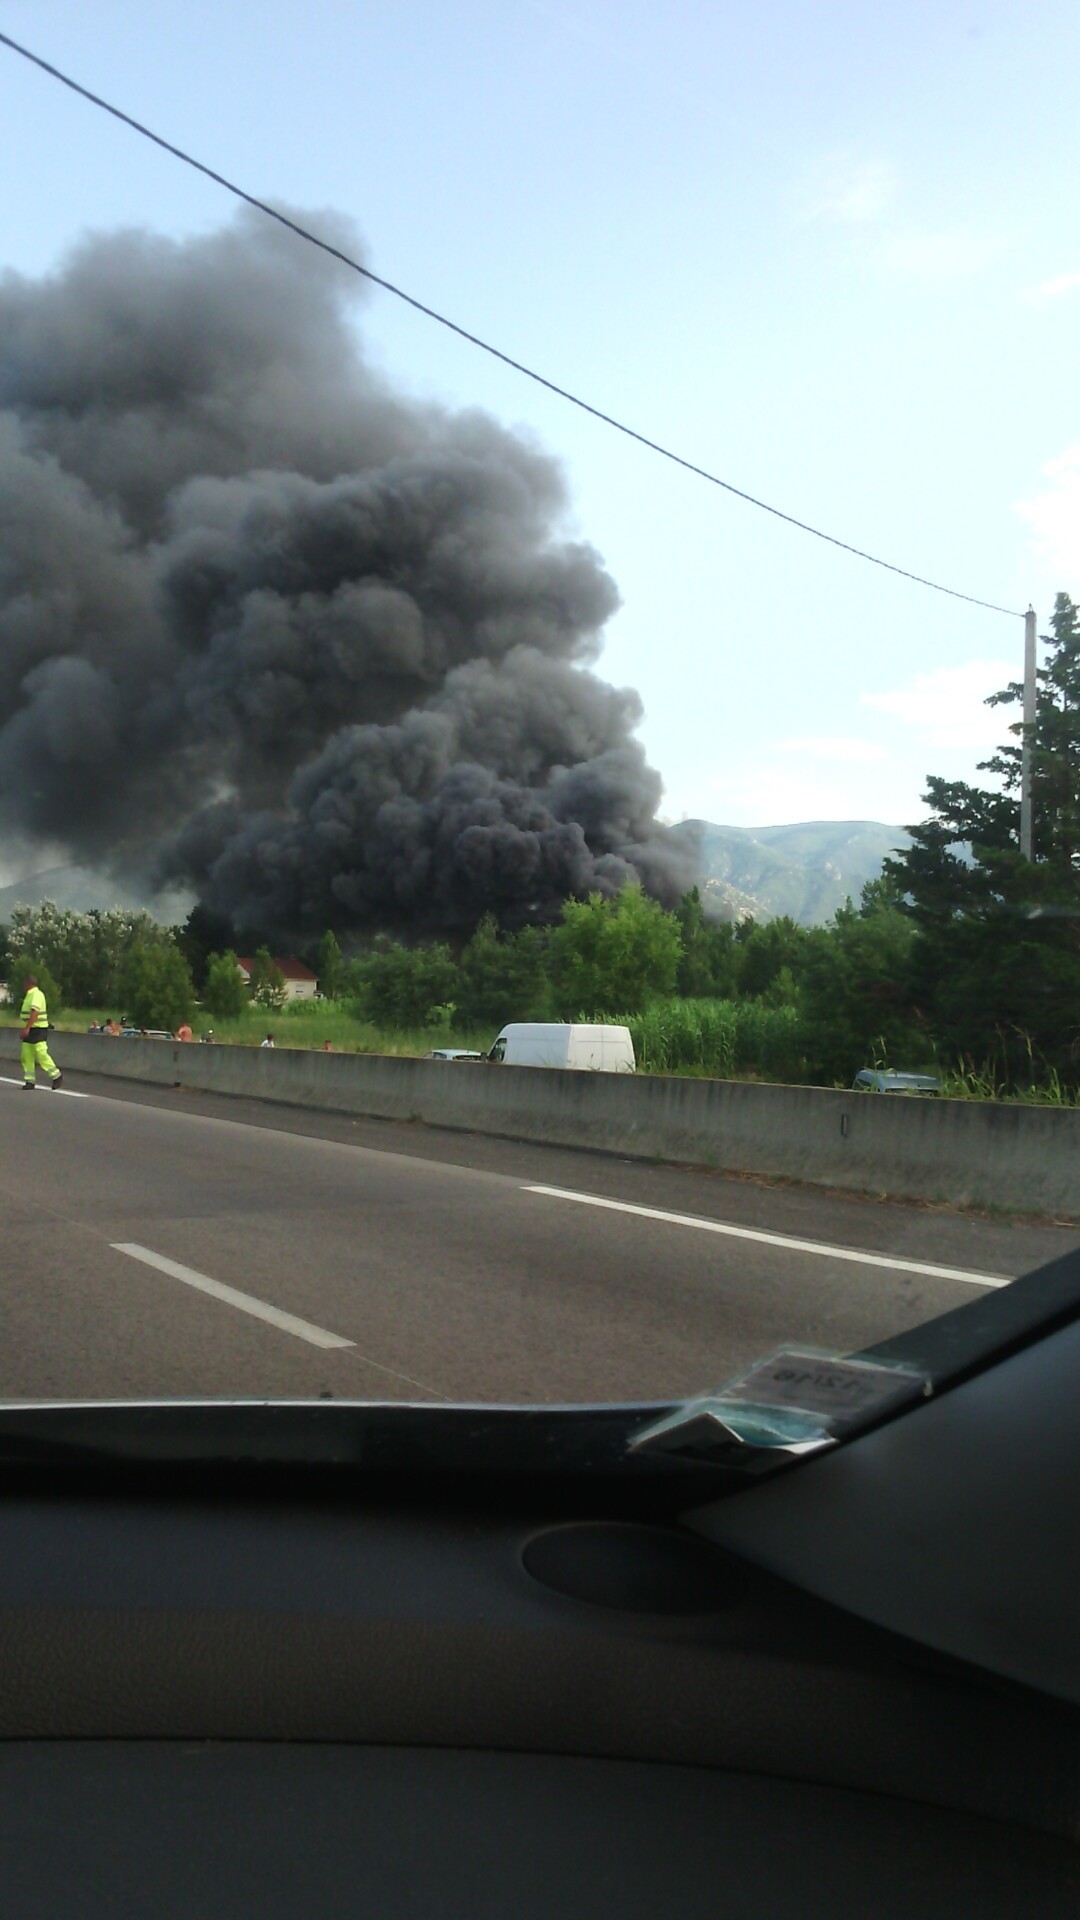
(485, 346)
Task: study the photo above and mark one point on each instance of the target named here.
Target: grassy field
(310, 1024)
(717, 1038)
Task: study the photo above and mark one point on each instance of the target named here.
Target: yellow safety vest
(34, 1003)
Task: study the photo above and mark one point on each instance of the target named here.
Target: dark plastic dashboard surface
(378, 1701)
(257, 1832)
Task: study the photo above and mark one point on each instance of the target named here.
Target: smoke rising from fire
(270, 629)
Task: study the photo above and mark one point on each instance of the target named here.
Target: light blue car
(878, 1080)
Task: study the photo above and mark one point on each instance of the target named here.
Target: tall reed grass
(722, 1039)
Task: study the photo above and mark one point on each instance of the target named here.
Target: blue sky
(831, 253)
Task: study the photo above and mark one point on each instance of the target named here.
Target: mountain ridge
(806, 868)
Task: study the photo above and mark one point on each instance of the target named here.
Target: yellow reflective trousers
(35, 1053)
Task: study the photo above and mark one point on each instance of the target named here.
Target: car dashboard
(268, 1659)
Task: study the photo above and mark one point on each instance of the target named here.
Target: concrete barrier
(966, 1153)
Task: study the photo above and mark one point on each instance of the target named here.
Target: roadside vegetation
(962, 959)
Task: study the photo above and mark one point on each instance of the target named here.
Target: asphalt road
(170, 1243)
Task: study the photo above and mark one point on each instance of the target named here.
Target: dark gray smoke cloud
(270, 629)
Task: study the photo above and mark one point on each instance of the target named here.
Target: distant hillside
(79, 889)
(806, 870)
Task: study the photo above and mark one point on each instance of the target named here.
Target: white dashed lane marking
(246, 1302)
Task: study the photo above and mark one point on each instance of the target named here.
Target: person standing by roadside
(35, 1035)
(183, 1031)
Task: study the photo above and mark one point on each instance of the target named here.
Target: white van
(539, 1044)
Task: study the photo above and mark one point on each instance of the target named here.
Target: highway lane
(159, 1244)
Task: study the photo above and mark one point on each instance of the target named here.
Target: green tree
(275, 991)
(21, 964)
(398, 987)
(267, 986)
(224, 993)
(502, 975)
(996, 964)
(768, 950)
(85, 952)
(880, 892)
(707, 965)
(613, 955)
(330, 968)
(259, 973)
(156, 986)
(1055, 746)
(966, 857)
(203, 934)
(783, 990)
(856, 998)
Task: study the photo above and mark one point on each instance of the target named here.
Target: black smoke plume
(272, 630)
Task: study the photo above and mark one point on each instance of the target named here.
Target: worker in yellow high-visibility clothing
(35, 1036)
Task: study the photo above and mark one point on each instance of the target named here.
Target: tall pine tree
(996, 967)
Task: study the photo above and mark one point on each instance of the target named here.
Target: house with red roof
(300, 982)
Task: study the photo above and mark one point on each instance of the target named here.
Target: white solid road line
(247, 1303)
(43, 1087)
(781, 1239)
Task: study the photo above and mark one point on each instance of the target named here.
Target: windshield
(540, 838)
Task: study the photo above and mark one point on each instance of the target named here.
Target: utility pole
(1027, 835)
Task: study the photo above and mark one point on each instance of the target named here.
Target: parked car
(144, 1033)
(877, 1080)
(542, 1044)
(451, 1053)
